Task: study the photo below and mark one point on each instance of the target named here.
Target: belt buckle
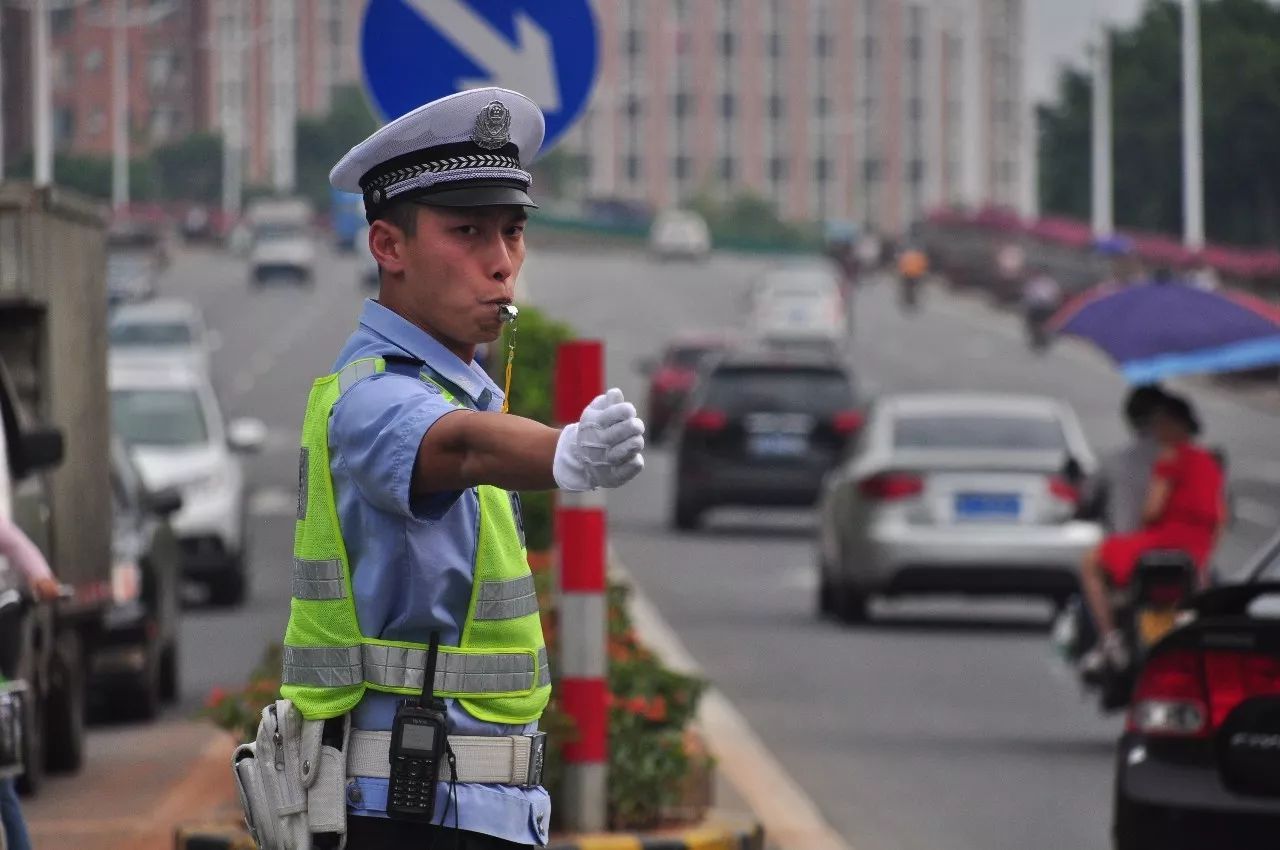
(537, 757)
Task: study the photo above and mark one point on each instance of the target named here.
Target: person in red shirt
(1185, 510)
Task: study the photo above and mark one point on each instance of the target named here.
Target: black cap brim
(477, 194)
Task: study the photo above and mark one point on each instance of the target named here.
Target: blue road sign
(414, 51)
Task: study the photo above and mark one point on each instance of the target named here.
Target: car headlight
(218, 479)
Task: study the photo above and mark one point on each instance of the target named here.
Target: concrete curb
(699, 838)
(213, 836)
(222, 836)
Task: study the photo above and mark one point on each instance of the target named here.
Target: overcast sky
(1058, 31)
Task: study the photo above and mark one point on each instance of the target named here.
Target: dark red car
(673, 376)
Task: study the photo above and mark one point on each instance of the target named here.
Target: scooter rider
(1183, 510)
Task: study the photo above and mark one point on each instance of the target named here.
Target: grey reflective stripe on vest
(357, 371)
(318, 579)
(506, 600)
(401, 667)
(322, 666)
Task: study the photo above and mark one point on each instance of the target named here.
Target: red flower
(657, 710)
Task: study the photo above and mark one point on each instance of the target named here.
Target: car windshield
(975, 431)
(141, 334)
(687, 357)
(1269, 568)
(159, 417)
(122, 268)
(267, 232)
(817, 391)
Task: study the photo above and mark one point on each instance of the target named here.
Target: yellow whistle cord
(511, 359)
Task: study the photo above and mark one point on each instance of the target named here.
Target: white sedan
(163, 330)
(169, 418)
(956, 494)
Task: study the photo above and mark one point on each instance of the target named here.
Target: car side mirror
(165, 502)
(246, 435)
(40, 448)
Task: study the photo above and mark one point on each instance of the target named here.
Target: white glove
(602, 449)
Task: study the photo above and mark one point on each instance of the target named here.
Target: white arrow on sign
(528, 66)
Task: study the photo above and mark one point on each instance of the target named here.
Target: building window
(915, 108)
(773, 44)
(777, 107)
(634, 43)
(61, 21)
(64, 126)
(634, 106)
(683, 104)
(162, 123)
(633, 167)
(777, 168)
(915, 171)
(727, 43)
(682, 167)
(870, 170)
(93, 61)
(823, 43)
(97, 122)
(869, 49)
(728, 169)
(728, 105)
(161, 67)
(822, 106)
(822, 169)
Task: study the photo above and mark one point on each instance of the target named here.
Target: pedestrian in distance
(409, 522)
(25, 557)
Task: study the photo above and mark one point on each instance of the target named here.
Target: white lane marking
(273, 502)
(790, 818)
(261, 361)
(1256, 512)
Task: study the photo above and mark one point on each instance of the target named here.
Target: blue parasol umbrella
(1155, 331)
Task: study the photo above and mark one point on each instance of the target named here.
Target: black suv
(135, 662)
(762, 428)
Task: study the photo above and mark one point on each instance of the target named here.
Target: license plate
(776, 445)
(988, 506)
(1153, 624)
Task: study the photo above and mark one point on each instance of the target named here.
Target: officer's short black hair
(403, 215)
(1142, 404)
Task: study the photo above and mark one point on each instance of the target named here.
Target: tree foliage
(323, 141)
(1240, 62)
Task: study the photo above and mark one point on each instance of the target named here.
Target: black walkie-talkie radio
(417, 748)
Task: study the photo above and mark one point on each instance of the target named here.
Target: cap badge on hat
(493, 126)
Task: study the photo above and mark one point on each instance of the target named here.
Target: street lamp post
(1192, 130)
(119, 109)
(41, 107)
(1102, 192)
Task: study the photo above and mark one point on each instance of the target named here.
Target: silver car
(954, 493)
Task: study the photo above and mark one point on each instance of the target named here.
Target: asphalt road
(947, 726)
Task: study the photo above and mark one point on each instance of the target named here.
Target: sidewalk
(137, 785)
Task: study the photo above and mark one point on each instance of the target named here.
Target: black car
(762, 429)
(1199, 763)
(134, 665)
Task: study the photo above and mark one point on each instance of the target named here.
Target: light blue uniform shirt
(413, 559)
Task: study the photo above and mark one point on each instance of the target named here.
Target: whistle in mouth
(508, 312)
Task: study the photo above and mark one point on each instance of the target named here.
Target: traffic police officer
(406, 525)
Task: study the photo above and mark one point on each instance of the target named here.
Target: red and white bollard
(581, 542)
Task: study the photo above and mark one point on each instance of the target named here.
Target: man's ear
(386, 243)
